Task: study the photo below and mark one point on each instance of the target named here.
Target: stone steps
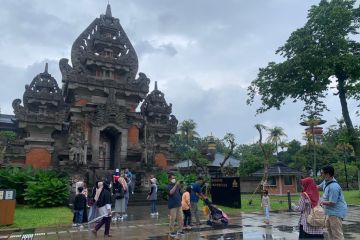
(139, 199)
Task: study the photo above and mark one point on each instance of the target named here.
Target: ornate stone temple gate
(90, 126)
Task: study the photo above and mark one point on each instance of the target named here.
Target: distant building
(281, 178)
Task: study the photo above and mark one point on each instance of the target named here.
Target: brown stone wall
(133, 135)
(38, 158)
(81, 102)
(161, 160)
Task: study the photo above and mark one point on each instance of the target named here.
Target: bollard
(289, 200)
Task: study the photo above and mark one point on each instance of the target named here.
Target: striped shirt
(305, 208)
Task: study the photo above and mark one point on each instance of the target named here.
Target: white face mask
(173, 180)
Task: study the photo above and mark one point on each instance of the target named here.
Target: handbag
(316, 218)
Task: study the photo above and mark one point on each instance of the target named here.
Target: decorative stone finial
(156, 85)
(46, 68)
(108, 10)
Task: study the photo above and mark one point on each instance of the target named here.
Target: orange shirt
(185, 201)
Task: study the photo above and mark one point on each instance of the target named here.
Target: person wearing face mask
(174, 206)
(196, 193)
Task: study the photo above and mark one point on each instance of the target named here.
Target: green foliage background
(38, 188)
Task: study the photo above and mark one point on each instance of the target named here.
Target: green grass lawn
(278, 203)
(27, 217)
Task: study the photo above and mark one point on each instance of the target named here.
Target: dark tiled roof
(6, 118)
(7, 122)
(219, 157)
(276, 169)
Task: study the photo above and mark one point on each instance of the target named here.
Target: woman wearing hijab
(92, 202)
(120, 187)
(309, 199)
(103, 202)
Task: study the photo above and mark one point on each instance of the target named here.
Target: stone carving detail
(77, 142)
(110, 112)
(65, 69)
(91, 46)
(142, 82)
(42, 100)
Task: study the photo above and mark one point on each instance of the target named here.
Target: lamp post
(312, 123)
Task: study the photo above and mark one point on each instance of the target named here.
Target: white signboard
(9, 195)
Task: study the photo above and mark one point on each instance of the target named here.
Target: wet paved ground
(141, 226)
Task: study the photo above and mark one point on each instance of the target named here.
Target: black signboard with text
(225, 191)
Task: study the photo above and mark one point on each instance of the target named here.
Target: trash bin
(7, 206)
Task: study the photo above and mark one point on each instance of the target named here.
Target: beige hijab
(98, 190)
(122, 181)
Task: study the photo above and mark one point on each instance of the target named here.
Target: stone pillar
(124, 145)
(95, 138)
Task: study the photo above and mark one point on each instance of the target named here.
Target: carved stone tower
(40, 118)
(159, 126)
(103, 92)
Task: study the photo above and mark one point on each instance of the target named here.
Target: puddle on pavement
(288, 229)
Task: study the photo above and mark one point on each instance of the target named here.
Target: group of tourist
(332, 202)
(182, 206)
(100, 201)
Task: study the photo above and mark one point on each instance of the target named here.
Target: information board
(225, 191)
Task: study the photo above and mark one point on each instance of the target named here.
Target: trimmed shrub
(39, 188)
(16, 178)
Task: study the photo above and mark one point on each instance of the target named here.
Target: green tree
(187, 131)
(230, 144)
(275, 136)
(323, 48)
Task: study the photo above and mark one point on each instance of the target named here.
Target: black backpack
(119, 191)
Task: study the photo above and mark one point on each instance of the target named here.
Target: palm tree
(276, 134)
(187, 130)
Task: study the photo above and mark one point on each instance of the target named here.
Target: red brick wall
(161, 160)
(133, 135)
(81, 102)
(38, 158)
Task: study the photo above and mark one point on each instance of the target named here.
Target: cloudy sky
(203, 53)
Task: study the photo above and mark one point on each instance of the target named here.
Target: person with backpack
(196, 193)
(119, 189)
(103, 202)
(80, 215)
(334, 204)
(309, 199)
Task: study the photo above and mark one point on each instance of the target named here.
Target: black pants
(187, 217)
(107, 222)
(304, 235)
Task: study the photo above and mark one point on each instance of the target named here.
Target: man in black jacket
(104, 208)
(79, 207)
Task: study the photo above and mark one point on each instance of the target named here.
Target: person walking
(185, 203)
(309, 198)
(333, 202)
(103, 201)
(152, 196)
(79, 208)
(92, 202)
(196, 193)
(119, 189)
(265, 204)
(126, 196)
(129, 175)
(174, 206)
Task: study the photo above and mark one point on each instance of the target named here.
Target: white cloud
(203, 53)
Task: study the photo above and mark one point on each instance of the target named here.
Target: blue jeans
(267, 215)
(79, 216)
(153, 208)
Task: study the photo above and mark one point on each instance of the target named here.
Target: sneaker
(120, 218)
(152, 214)
(172, 234)
(181, 232)
(157, 214)
(114, 219)
(81, 226)
(125, 215)
(74, 225)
